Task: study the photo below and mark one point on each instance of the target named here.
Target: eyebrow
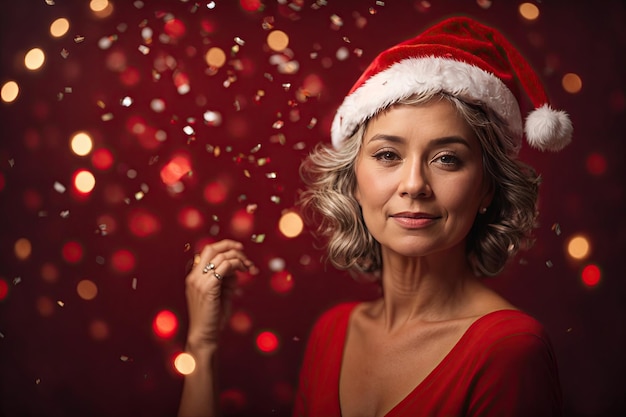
(446, 140)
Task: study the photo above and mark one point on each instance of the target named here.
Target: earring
(483, 210)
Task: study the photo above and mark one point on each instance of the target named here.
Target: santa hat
(464, 58)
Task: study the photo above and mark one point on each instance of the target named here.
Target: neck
(430, 288)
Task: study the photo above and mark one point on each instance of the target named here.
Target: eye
(386, 156)
(448, 160)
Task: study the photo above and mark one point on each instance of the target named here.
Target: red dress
(502, 366)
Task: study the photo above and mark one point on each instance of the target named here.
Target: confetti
(59, 188)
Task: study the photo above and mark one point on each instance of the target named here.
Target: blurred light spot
(102, 159)
(578, 247)
(157, 105)
(98, 5)
(4, 289)
(485, 4)
(72, 252)
(84, 181)
(528, 11)
(184, 363)
(32, 200)
(175, 28)
(342, 53)
(276, 264)
(44, 306)
(596, 164)
(591, 275)
(290, 224)
(212, 118)
(232, 401)
(215, 57)
(101, 8)
(130, 76)
(165, 324)
(241, 223)
(215, 192)
(572, 83)
(59, 27)
(240, 322)
(267, 342)
(142, 223)
(22, 248)
(281, 282)
(49, 272)
(116, 61)
(34, 59)
(87, 290)
(123, 261)
(9, 92)
(277, 40)
(181, 81)
(190, 218)
(98, 330)
(251, 5)
(106, 224)
(174, 170)
(81, 143)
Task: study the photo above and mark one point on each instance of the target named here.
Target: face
(420, 179)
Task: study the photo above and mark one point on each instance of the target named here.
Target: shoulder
(337, 315)
(510, 336)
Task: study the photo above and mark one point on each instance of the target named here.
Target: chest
(378, 371)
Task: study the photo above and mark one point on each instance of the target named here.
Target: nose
(414, 180)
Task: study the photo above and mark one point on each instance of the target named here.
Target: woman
(421, 189)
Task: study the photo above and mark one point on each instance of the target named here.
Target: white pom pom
(548, 129)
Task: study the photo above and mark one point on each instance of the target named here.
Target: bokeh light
(143, 223)
(572, 83)
(184, 363)
(34, 59)
(10, 91)
(290, 224)
(267, 342)
(215, 57)
(215, 192)
(4, 289)
(101, 8)
(44, 306)
(123, 261)
(591, 275)
(596, 164)
(251, 5)
(83, 181)
(99, 330)
(240, 322)
(102, 159)
(87, 289)
(282, 282)
(165, 324)
(59, 27)
(23, 249)
(242, 224)
(190, 218)
(578, 247)
(277, 40)
(81, 143)
(528, 11)
(50, 272)
(175, 169)
(72, 252)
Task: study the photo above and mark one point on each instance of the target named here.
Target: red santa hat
(464, 58)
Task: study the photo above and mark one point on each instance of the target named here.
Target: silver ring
(218, 276)
(208, 268)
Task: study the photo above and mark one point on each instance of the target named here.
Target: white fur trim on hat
(548, 129)
(425, 75)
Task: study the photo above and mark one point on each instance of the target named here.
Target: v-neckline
(428, 379)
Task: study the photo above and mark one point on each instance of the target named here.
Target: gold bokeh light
(578, 247)
(572, 83)
(10, 91)
(529, 11)
(34, 59)
(277, 40)
(290, 224)
(59, 27)
(81, 144)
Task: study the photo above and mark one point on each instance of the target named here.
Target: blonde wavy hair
(329, 206)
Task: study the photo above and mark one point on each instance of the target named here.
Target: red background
(50, 363)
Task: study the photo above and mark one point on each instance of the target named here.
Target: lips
(411, 215)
